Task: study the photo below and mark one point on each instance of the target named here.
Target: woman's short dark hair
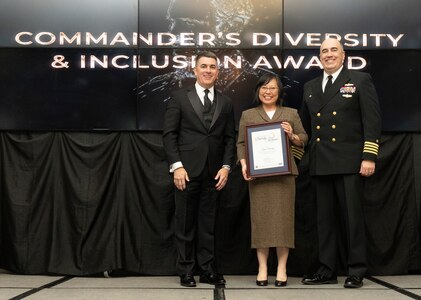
(265, 79)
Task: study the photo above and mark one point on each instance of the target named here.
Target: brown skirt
(272, 203)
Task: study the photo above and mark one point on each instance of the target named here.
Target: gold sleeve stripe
(372, 152)
(371, 147)
(297, 152)
(371, 144)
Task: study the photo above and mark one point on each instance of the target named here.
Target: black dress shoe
(353, 282)
(212, 278)
(262, 282)
(187, 280)
(279, 283)
(319, 279)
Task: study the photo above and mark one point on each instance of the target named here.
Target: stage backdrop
(110, 65)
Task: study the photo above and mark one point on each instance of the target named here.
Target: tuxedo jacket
(187, 139)
(344, 124)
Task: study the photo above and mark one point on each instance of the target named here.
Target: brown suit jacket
(258, 115)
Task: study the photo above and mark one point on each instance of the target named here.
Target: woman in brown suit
(272, 198)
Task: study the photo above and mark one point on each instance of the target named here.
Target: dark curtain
(392, 217)
(80, 203)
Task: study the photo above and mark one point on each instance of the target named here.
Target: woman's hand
(288, 129)
(244, 170)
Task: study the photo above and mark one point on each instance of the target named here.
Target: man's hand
(180, 178)
(367, 168)
(222, 178)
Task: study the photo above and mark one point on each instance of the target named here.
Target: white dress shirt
(334, 76)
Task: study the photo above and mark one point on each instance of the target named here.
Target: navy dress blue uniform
(344, 127)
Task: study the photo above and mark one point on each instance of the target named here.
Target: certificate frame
(267, 150)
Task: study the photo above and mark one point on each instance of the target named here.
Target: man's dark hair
(209, 54)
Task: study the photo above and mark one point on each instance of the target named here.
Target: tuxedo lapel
(219, 103)
(197, 104)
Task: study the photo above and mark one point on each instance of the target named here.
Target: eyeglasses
(268, 89)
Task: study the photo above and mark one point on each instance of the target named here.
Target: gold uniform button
(318, 127)
(318, 139)
(333, 126)
(318, 114)
(334, 113)
(333, 140)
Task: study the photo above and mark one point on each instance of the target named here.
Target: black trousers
(343, 194)
(195, 213)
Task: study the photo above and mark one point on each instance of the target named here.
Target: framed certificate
(267, 150)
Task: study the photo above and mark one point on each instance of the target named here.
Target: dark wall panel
(52, 78)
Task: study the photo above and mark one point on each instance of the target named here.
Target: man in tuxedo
(340, 111)
(199, 141)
